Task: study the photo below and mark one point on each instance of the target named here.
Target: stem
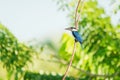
(73, 53)
(76, 14)
(82, 5)
(83, 71)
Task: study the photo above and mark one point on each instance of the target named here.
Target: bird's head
(71, 29)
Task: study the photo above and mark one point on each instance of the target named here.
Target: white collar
(74, 29)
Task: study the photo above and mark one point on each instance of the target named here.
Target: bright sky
(28, 19)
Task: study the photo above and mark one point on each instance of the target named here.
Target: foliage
(99, 58)
(38, 76)
(13, 54)
(44, 76)
(101, 53)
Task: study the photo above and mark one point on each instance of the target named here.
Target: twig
(83, 71)
(96, 75)
(82, 5)
(73, 53)
(76, 14)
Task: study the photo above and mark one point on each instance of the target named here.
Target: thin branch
(76, 14)
(83, 71)
(96, 75)
(82, 5)
(73, 53)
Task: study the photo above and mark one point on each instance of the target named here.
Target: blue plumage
(75, 33)
(77, 36)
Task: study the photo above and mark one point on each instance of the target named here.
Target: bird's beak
(67, 29)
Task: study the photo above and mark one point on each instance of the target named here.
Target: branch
(76, 14)
(96, 75)
(73, 53)
(83, 71)
(82, 5)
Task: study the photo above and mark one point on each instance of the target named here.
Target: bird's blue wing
(77, 36)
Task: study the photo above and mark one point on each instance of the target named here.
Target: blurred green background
(48, 59)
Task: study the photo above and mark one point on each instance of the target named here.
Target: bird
(77, 36)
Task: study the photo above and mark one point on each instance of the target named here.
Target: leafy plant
(13, 54)
(101, 53)
(38, 76)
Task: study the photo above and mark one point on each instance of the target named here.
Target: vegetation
(101, 43)
(99, 58)
(13, 54)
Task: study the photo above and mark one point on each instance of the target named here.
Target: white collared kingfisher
(76, 35)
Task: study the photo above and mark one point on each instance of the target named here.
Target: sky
(110, 6)
(28, 19)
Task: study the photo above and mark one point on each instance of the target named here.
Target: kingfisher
(77, 36)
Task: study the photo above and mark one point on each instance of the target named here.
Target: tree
(13, 54)
(100, 58)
